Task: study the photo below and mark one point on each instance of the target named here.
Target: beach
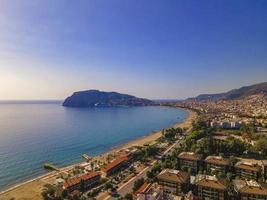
(32, 189)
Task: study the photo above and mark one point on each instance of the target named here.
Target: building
(189, 161)
(247, 170)
(149, 192)
(225, 124)
(217, 163)
(90, 180)
(174, 181)
(246, 190)
(210, 187)
(115, 165)
(235, 125)
(214, 124)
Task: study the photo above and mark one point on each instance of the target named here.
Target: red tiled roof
(115, 163)
(76, 180)
(143, 188)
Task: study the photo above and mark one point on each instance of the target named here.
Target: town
(221, 156)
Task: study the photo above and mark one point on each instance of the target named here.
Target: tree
(233, 160)
(64, 193)
(247, 129)
(82, 186)
(108, 185)
(138, 183)
(128, 196)
(151, 150)
(261, 146)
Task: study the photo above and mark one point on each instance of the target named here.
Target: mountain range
(243, 92)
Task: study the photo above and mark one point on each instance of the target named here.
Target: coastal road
(127, 187)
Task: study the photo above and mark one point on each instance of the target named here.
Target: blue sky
(153, 49)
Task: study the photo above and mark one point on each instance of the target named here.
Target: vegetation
(170, 134)
(151, 175)
(128, 197)
(138, 183)
(261, 146)
(49, 193)
(147, 152)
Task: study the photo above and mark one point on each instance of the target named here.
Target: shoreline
(35, 185)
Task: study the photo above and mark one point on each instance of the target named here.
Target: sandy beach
(32, 189)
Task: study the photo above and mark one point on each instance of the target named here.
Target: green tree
(82, 189)
(128, 196)
(138, 183)
(261, 146)
(64, 194)
(108, 185)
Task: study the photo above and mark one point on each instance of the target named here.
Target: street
(127, 187)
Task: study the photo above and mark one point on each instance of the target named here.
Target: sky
(158, 49)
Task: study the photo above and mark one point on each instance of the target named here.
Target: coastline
(32, 188)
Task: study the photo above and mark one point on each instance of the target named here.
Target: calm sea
(32, 133)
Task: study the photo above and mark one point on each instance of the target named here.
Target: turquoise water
(35, 132)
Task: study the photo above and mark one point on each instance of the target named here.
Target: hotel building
(115, 165)
(90, 179)
(249, 190)
(217, 163)
(189, 161)
(210, 187)
(174, 181)
(247, 170)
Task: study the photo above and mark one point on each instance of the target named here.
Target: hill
(243, 92)
(96, 98)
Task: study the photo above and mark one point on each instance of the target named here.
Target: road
(127, 187)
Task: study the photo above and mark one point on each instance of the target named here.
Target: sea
(35, 132)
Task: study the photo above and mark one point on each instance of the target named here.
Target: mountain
(96, 98)
(243, 92)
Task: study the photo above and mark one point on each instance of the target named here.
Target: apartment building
(174, 181)
(217, 163)
(210, 187)
(90, 180)
(249, 190)
(189, 161)
(248, 170)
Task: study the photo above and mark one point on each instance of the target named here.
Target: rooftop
(210, 181)
(189, 156)
(76, 180)
(217, 160)
(248, 166)
(264, 162)
(143, 188)
(115, 163)
(250, 187)
(174, 176)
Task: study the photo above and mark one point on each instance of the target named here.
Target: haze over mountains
(243, 92)
(96, 98)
